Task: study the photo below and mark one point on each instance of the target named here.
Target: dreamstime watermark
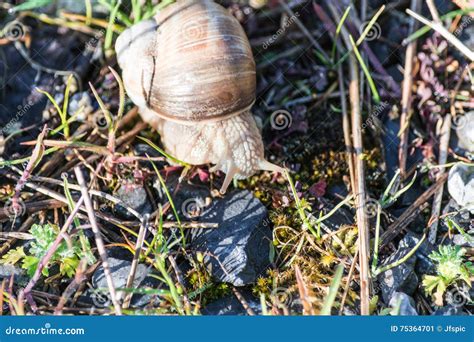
(47, 329)
(193, 208)
(193, 30)
(465, 22)
(378, 110)
(281, 297)
(14, 208)
(100, 121)
(374, 33)
(286, 25)
(14, 31)
(461, 121)
(371, 207)
(101, 298)
(458, 297)
(92, 43)
(21, 111)
(281, 119)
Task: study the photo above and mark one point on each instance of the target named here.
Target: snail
(192, 74)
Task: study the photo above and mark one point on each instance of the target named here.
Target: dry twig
(406, 94)
(98, 239)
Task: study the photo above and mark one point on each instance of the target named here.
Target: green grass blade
(331, 296)
(363, 35)
(109, 34)
(162, 152)
(31, 4)
(338, 31)
(121, 98)
(299, 208)
(373, 88)
(170, 199)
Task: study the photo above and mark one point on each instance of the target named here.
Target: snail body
(192, 74)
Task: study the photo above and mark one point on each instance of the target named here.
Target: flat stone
(401, 278)
(237, 252)
(404, 303)
(120, 269)
(133, 196)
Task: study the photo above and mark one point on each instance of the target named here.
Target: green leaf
(68, 266)
(430, 283)
(44, 236)
(13, 256)
(30, 264)
(31, 4)
(373, 304)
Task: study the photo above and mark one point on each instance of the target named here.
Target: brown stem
(98, 239)
(406, 94)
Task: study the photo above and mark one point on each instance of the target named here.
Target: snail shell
(192, 74)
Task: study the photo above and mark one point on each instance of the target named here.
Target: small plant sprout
(67, 255)
(390, 195)
(450, 268)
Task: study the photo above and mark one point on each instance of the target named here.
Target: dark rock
(424, 265)
(133, 196)
(119, 253)
(401, 278)
(144, 150)
(230, 305)
(338, 191)
(391, 141)
(120, 269)
(238, 250)
(466, 31)
(394, 72)
(19, 274)
(404, 303)
(449, 310)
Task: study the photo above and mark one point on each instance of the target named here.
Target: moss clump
(202, 285)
